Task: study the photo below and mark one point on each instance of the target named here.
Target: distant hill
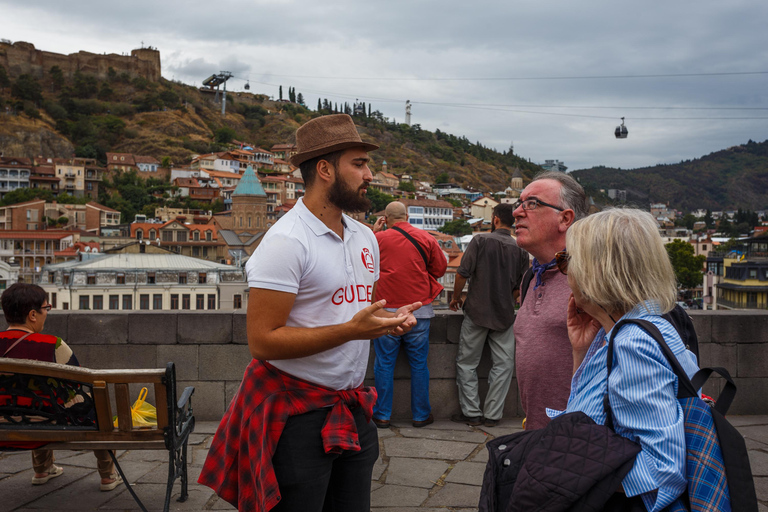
(120, 113)
(733, 178)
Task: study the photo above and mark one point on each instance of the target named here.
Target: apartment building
(32, 250)
(157, 282)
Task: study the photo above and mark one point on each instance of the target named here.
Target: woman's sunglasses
(561, 260)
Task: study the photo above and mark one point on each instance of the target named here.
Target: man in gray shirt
(494, 265)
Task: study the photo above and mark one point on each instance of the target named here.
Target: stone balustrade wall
(210, 351)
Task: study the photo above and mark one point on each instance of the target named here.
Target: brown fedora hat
(327, 134)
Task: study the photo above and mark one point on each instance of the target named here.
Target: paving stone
(160, 474)
(378, 469)
(759, 463)
(409, 509)
(743, 421)
(481, 455)
(15, 462)
(415, 472)
(385, 433)
(761, 486)
(445, 435)
(755, 445)
(758, 433)
(197, 439)
(447, 424)
(145, 456)
(376, 485)
(17, 491)
(216, 503)
(470, 473)
(80, 494)
(153, 497)
(398, 496)
(505, 427)
(455, 495)
(427, 448)
(206, 427)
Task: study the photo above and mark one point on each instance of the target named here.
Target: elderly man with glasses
(548, 206)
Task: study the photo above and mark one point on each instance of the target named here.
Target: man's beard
(347, 199)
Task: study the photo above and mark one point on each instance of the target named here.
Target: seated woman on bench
(26, 307)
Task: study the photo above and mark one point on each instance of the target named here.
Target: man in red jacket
(411, 263)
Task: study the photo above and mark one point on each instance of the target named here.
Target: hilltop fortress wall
(23, 58)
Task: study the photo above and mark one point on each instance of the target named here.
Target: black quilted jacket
(571, 464)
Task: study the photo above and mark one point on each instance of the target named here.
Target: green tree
(281, 93)
(406, 186)
(319, 105)
(708, 220)
(300, 99)
(379, 199)
(225, 134)
(27, 88)
(443, 177)
(57, 78)
(456, 227)
(688, 267)
(4, 80)
(166, 162)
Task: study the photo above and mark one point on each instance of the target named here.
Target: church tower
(249, 204)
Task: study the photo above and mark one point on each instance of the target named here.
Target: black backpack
(677, 317)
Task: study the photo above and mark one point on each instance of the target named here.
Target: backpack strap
(685, 387)
(728, 393)
(527, 278)
(415, 244)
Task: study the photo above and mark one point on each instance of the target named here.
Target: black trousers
(311, 480)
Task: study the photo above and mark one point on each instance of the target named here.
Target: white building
(428, 213)
(125, 282)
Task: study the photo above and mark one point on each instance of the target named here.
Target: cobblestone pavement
(431, 469)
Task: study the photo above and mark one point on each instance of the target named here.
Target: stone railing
(211, 352)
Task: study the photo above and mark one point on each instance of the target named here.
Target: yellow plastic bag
(143, 413)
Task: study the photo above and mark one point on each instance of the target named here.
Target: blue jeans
(416, 346)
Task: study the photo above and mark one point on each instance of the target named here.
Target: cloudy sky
(553, 78)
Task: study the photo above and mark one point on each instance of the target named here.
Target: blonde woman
(618, 268)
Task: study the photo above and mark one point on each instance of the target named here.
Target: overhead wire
(514, 108)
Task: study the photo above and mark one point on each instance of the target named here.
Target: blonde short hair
(618, 260)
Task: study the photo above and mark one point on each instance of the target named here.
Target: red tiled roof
(33, 201)
(34, 235)
(146, 160)
(98, 206)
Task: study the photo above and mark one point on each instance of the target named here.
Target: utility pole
(216, 80)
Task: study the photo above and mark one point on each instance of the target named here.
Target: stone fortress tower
(23, 58)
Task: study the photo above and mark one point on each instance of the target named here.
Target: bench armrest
(185, 396)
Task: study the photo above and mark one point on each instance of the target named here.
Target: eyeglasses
(561, 260)
(46, 307)
(532, 204)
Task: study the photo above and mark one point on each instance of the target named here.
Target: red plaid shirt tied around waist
(239, 463)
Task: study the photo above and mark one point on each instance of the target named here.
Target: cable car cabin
(621, 131)
(247, 85)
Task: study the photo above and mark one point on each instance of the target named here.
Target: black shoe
(472, 421)
(428, 421)
(490, 423)
(381, 423)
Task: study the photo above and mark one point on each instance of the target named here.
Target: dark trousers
(311, 480)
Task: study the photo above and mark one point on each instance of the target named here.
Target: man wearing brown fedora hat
(298, 435)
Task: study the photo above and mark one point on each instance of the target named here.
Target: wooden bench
(70, 409)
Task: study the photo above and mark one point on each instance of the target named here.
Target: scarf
(539, 269)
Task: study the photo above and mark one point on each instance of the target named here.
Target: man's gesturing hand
(368, 323)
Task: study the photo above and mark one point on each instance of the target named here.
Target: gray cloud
(304, 44)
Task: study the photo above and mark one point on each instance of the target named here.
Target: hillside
(88, 116)
(733, 178)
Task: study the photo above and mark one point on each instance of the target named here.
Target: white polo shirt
(332, 280)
